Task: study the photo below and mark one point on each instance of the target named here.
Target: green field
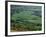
(25, 18)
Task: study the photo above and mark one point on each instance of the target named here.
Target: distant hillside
(36, 10)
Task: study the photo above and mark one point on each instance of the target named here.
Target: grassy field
(25, 20)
